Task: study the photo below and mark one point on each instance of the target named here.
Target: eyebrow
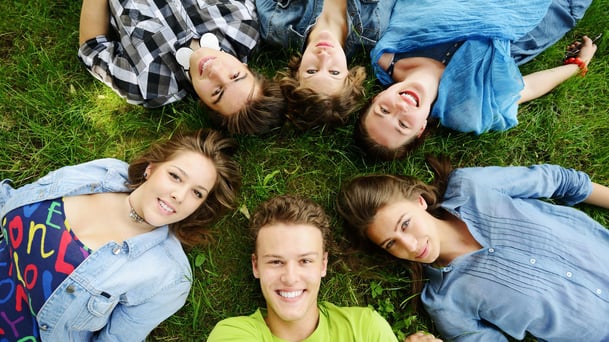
(235, 80)
(185, 175)
(282, 257)
(397, 225)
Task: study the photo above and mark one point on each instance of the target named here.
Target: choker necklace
(133, 215)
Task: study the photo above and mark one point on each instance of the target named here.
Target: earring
(145, 175)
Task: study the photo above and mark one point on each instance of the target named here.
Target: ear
(324, 262)
(422, 129)
(422, 202)
(255, 266)
(148, 170)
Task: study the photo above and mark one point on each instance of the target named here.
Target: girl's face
(221, 81)
(406, 230)
(323, 66)
(399, 114)
(174, 189)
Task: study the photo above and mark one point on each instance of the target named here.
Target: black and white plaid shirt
(141, 66)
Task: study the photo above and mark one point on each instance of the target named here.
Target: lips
(423, 252)
(166, 208)
(324, 44)
(290, 294)
(204, 62)
(410, 97)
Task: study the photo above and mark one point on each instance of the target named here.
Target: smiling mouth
(410, 97)
(165, 207)
(423, 252)
(204, 63)
(290, 294)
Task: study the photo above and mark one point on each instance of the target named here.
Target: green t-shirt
(336, 324)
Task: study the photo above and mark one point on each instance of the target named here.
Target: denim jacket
(121, 291)
(287, 23)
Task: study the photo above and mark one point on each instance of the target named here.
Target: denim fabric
(560, 19)
(287, 23)
(121, 291)
(543, 267)
(483, 68)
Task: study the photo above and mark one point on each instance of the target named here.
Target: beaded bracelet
(581, 64)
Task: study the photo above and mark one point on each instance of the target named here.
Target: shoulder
(250, 328)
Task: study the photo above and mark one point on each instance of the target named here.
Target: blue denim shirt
(287, 23)
(121, 291)
(543, 268)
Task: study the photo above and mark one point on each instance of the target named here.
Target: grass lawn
(53, 113)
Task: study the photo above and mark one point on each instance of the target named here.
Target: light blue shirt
(480, 87)
(121, 291)
(543, 268)
(287, 23)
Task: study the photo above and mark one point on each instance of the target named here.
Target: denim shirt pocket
(96, 313)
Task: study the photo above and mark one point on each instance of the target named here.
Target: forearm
(599, 196)
(94, 19)
(542, 82)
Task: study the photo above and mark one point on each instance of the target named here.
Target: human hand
(584, 50)
(421, 336)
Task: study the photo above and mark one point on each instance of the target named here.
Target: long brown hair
(361, 198)
(219, 149)
(307, 109)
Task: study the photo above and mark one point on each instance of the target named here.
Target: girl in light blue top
(94, 251)
(500, 259)
(462, 68)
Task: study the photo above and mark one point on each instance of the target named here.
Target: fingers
(421, 336)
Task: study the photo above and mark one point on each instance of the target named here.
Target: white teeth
(414, 99)
(290, 294)
(165, 207)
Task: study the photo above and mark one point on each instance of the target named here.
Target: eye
(334, 72)
(216, 91)
(405, 224)
(198, 194)
(384, 110)
(311, 71)
(389, 244)
(402, 124)
(306, 261)
(235, 75)
(174, 176)
(275, 262)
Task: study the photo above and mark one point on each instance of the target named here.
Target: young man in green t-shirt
(290, 258)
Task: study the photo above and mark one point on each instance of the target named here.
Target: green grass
(53, 113)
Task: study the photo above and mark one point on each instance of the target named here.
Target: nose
(409, 243)
(218, 72)
(289, 274)
(179, 193)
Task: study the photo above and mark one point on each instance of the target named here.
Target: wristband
(581, 64)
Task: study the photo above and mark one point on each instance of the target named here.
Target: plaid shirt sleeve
(104, 60)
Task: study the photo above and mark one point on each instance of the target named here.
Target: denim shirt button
(116, 250)
(569, 274)
(44, 327)
(599, 291)
(532, 261)
(70, 289)
(491, 250)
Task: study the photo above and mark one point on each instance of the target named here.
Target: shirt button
(44, 327)
(532, 261)
(491, 250)
(70, 289)
(569, 274)
(598, 291)
(116, 250)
